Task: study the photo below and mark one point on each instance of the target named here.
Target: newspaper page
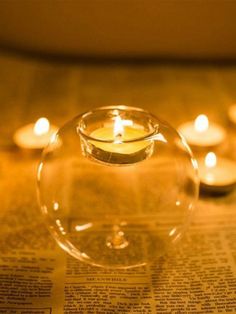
(37, 277)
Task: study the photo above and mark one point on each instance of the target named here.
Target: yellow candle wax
(118, 146)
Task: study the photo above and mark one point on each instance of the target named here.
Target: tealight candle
(232, 113)
(202, 133)
(120, 142)
(35, 136)
(217, 174)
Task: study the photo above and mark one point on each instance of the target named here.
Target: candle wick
(118, 138)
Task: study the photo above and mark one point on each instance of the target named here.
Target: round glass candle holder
(117, 187)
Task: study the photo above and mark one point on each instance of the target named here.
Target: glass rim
(145, 137)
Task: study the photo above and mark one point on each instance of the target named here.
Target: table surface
(30, 88)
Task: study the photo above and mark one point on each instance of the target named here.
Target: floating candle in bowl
(202, 133)
(217, 174)
(120, 140)
(35, 136)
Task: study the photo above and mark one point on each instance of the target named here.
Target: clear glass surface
(117, 198)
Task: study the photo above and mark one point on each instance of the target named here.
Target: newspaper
(37, 277)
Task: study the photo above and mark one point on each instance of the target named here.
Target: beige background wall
(192, 29)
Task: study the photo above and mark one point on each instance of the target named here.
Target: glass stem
(117, 239)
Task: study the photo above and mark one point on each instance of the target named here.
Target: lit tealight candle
(217, 174)
(35, 136)
(121, 142)
(202, 133)
(232, 114)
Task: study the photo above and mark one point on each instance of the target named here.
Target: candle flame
(201, 123)
(118, 127)
(118, 130)
(210, 160)
(41, 126)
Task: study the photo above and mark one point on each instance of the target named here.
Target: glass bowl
(117, 187)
